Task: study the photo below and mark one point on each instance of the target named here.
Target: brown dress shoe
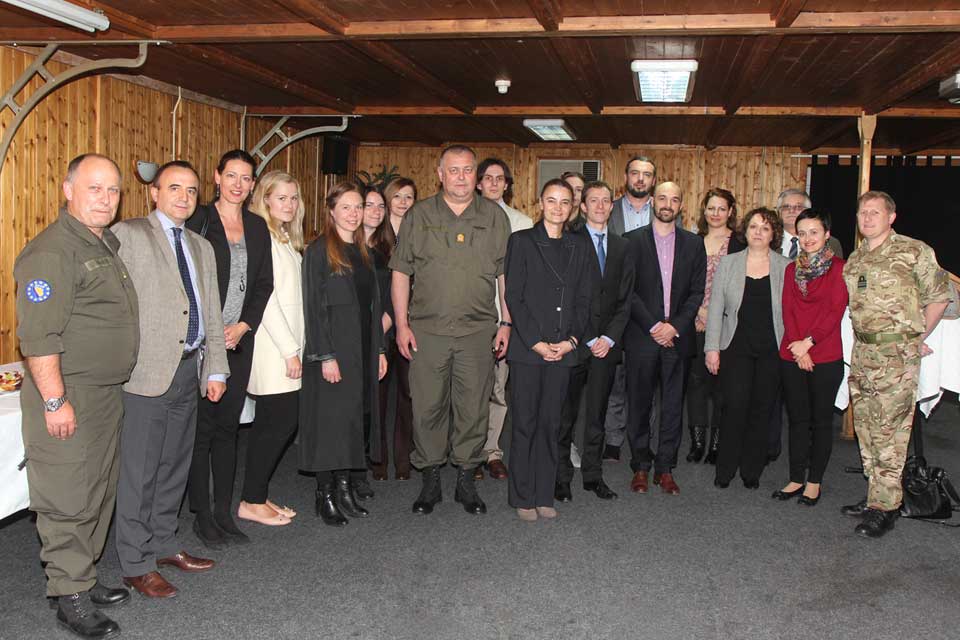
(639, 484)
(402, 475)
(666, 482)
(187, 563)
(151, 585)
(497, 470)
(478, 472)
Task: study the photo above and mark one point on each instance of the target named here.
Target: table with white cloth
(14, 495)
(939, 371)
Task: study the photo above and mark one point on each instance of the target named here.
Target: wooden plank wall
(755, 175)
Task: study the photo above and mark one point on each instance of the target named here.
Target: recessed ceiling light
(663, 80)
(550, 130)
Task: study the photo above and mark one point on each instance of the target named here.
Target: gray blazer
(727, 294)
(152, 264)
(615, 223)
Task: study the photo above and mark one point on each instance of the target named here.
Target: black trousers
(596, 375)
(703, 388)
(274, 424)
(810, 397)
(215, 448)
(536, 405)
(644, 370)
(749, 385)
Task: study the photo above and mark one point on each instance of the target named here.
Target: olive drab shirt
(890, 285)
(456, 261)
(75, 298)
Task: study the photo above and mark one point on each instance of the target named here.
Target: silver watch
(53, 404)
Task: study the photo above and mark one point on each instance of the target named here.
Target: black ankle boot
(876, 523)
(76, 613)
(361, 486)
(346, 497)
(698, 443)
(327, 508)
(711, 457)
(466, 493)
(430, 493)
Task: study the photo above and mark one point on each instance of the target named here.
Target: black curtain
(927, 206)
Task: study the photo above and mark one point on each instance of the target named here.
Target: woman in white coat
(275, 376)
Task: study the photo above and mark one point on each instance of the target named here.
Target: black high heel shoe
(786, 495)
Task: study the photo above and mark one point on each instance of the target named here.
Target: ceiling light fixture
(550, 130)
(65, 12)
(663, 80)
(502, 85)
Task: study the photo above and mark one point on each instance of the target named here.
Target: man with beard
(671, 267)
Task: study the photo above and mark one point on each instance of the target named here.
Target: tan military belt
(884, 338)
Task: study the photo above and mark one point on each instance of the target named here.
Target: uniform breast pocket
(483, 253)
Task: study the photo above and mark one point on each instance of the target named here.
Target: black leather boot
(76, 613)
(361, 486)
(876, 523)
(855, 510)
(698, 443)
(346, 497)
(711, 457)
(466, 493)
(430, 493)
(327, 508)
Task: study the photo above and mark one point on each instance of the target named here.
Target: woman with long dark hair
(241, 244)
(343, 357)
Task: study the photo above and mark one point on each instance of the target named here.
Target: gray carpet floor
(707, 564)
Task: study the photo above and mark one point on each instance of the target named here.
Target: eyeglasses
(793, 207)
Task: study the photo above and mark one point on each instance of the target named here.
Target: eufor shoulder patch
(38, 290)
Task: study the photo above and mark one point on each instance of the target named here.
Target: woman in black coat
(343, 358)
(239, 238)
(548, 275)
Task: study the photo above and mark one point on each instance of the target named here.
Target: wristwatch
(504, 323)
(54, 404)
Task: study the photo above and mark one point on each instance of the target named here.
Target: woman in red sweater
(814, 299)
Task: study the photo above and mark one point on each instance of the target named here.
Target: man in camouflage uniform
(898, 293)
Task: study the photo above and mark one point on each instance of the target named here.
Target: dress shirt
(634, 218)
(665, 250)
(785, 245)
(595, 241)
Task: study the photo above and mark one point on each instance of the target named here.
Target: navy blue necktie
(193, 322)
(794, 249)
(601, 253)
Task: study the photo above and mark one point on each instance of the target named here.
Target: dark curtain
(927, 208)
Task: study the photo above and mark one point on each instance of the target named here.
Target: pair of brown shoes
(496, 469)
(154, 585)
(640, 483)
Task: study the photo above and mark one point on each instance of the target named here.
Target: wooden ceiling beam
(396, 61)
(932, 141)
(580, 65)
(252, 71)
(716, 132)
(941, 64)
(122, 21)
(505, 134)
(827, 133)
(422, 134)
(317, 13)
(754, 72)
(547, 13)
(785, 12)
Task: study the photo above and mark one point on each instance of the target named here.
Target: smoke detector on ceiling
(502, 85)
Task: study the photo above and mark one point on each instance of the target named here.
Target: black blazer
(546, 305)
(259, 260)
(610, 304)
(686, 289)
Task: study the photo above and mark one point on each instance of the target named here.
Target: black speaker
(336, 155)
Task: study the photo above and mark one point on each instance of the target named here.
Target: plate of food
(10, 380)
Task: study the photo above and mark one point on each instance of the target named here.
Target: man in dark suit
(660, 337)
(601, 349)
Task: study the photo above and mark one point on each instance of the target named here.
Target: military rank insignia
(38, 290)
(460, 238)
(862, 283)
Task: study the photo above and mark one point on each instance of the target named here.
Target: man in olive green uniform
(454, 244)
(898, 293)
(78, 327)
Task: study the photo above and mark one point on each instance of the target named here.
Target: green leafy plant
(378, 179)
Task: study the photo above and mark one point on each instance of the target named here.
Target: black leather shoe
(362, 488)
(786, 495)
(76, 613)
(346, 498)
(601, 490)
(713, 447)
(854, 510)
(431, 492)
(809, 502)
(751, 484)
(466, 493)
(698, 443)
(326, 506)
(562, 493)
(230, 529)
(102, 597)
(611, 453)
(876, 523)
(721, 484)
(208, 532)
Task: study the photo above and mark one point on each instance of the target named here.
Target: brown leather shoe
(497, 470)
(639, 482)
(666, 482)
(187, 563)
(151, 585)
(478, 472)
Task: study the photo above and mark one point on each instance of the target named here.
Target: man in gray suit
(631, 211)
(181, 337)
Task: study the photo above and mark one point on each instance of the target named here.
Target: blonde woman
(275, 375)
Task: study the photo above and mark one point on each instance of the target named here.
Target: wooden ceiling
(772, 72)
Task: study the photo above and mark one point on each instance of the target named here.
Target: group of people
(143, 340)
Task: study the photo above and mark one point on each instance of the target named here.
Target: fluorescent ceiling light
(550, 130)
(663, 80)
(66, 13)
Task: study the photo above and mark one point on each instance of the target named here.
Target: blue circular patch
(38, 290)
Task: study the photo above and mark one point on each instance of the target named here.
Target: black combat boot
(346, 496)
(102, 597)
(711, 457)
(326, 506)
(76, 613)
(855, 510)
(698, 443)
(876, 523)
(466, 493)
(430, 493)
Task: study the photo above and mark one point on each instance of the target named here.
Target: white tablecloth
(939, 371)
(13, 481)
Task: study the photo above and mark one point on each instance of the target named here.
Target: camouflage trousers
(883, 391)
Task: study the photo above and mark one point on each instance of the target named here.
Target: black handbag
(927, 491)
